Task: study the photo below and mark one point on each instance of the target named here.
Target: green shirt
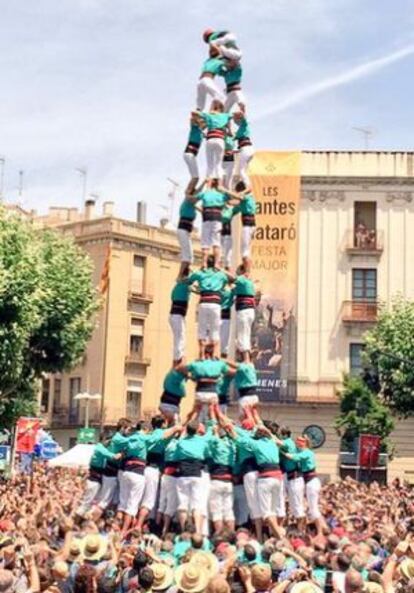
(212, 198)
(247, 205)
(196, 135)
(233, 75)
(209, 279)
(100, 456)
(174, 382)
(227, 299)
(228, 143)
(243, 286)
(243, 130)
(207, 368)
(139, 443)
(118, 443)
(214, 66)
(193, 447)
(288, 465)
(180, 292)
(305, 459)
(223, 385)
(245, 376)
(222, 451)
(264, 450)
(227, 214)
(188, 210)
(243, 453)
(215, 121)
(170, 451)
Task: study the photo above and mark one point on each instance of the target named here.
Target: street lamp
(87, 397)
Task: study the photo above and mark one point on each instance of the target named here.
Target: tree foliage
(388, 355)
(362, 412)
(47, 306)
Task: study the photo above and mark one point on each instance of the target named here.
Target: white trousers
(227, 250)
(241, 510)
(177, 324)
(107, 492)
(211, 234)
(209, 315)
(224, 336)
(221, 501)
(246, 239)
(312, 489)
(228, 168)
(245, 156)
(269, 492)
(168, 496)
(244, 322)
(252, 497)
(234, 98)
(296, 491)
(90, 494)
(207, 86)
(132, 489)
(122, 491)
(191, 494)
(186, 247)
(214, 156)
(152, 480)
(190, 160)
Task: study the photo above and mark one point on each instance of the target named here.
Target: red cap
(301, 440)
(207, 34)
(297, 543)
(247, 424)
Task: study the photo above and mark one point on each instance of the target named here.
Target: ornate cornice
(403, 196)
(352, 182)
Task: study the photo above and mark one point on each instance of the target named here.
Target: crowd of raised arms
(204, 503)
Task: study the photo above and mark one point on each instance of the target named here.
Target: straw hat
(305, 587)
(407, 568)
(206, 560)
(60, 569)
(94, 547)
(75, 550)
(163, 576)
(191, 578)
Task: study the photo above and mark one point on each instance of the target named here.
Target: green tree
(388, 355)
(362, 412)
(47, 306)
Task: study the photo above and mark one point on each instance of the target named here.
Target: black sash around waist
(192, 148)
(111, 468)
(225, 313)
(228, 157)
(190, 468)
(221, 472)
(244, 391)
(226, 229)
(244, 142)
(155, 459)
(233, 86)
(134, 464)
(185, 224)
(248, 465)
(210, 296)
(179, 308)
(207, 384)
(245, 302)
(308, 476)
(248, 220)
(170, 398)
(95, 474)
(223, 399)
(211, 213)
(293, 475)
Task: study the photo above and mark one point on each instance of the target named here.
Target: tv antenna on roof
(367, 134)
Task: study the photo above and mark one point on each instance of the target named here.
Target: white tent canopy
(78, 456)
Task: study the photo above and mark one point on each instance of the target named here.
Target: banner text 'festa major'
(275, 179)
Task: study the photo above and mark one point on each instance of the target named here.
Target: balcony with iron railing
(359, 311)
(364, 242)
(64, 417)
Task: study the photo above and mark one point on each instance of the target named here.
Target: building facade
(356, 248)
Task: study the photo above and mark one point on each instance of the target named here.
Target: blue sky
(109, 84)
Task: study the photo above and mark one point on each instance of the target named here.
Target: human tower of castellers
(206, 468)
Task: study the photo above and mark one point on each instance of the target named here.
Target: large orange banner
(275, 179)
